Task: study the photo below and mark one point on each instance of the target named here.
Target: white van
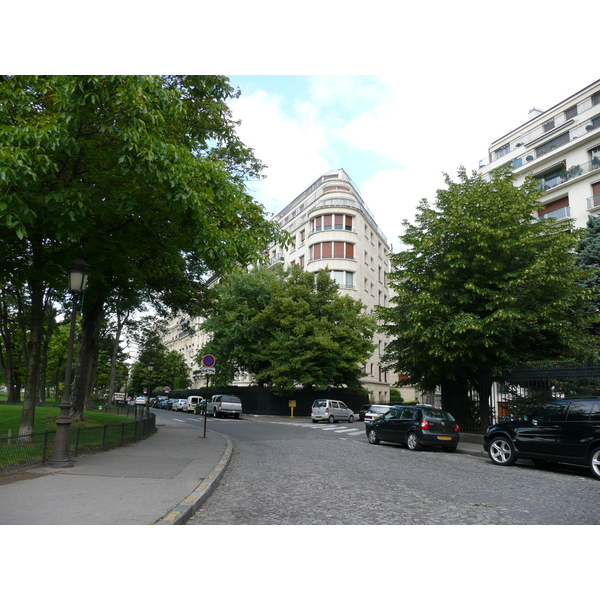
(192, 402)
(330, 410)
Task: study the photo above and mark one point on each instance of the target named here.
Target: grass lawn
(45, 418)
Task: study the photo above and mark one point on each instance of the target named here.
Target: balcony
(557, 178)
(593, 202)
(559, 213)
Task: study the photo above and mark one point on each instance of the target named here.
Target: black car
(562, 431)
(415, 427)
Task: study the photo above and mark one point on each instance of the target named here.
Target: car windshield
(379, 409)
(319, 404)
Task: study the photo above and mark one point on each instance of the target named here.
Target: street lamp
(78, 272)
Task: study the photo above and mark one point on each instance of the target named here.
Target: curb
(181, 513)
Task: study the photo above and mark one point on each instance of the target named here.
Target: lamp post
(78, 272)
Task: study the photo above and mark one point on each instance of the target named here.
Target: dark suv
(565, 430)
(415, 427)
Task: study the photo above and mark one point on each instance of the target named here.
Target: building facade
(560, 147)
(332, 229)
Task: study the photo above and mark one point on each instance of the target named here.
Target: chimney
(533, 113)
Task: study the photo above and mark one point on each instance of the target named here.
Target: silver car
(331, 411)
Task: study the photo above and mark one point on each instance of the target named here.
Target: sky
(394, 135)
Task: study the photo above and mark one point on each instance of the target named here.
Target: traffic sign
(208, 360)
(207, 370)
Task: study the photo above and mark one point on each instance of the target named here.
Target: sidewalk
(163, 479)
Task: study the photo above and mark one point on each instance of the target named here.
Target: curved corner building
(333, 229)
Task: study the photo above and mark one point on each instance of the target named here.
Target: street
(292, 472)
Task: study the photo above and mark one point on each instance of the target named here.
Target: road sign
(208, 360)
(207, 370)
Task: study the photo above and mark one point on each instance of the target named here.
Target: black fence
(19, 451)
(262, 401)
(520, 392)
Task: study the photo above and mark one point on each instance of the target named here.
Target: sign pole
(206, 404)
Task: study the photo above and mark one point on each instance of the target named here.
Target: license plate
(444, 437)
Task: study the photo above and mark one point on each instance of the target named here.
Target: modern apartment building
(560, 147)
(333, 229)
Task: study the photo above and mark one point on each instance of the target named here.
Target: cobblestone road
(308, 476)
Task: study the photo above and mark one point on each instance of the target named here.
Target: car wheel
(215, 414)
(372, 437)
(595, 462)
(449, 448)
(351, 419)
(412, 441)
(331, 419)
(502, 452)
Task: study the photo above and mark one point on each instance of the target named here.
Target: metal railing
(19, 451)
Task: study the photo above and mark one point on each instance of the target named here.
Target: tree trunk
(87, 356)
(115, 354)
(34, 345)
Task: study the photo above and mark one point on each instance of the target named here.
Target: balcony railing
(593, 201)
(571, 173)
(559, 213)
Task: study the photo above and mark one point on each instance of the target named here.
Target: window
(579, 411)
(344, 279)
(333, 221)
(595, 98)
(503, 150)
(302, 236)
(561, 140)
(549, 412)
(332, 250)
(552, 178)
(571, 112)
(548, 125)
(559, 209)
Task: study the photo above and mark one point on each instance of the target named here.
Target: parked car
(170, 402)
(331, 411)
(562, 431)
(140, 400)
(200, 408)
(161, 404)
(191, 403)
(415, 427)
(224, 404)
(179, 404)
(363, 409)
(375, 411)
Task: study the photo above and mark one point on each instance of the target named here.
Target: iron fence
(19, 451)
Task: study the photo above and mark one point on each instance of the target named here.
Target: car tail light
(424, 425)
(327, 410)
(456, 427)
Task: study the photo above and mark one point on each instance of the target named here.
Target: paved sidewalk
(163, 479)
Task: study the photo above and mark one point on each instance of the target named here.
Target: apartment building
(560, 147)
(333, 229)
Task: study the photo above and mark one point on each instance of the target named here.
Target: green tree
(288, 330)
(142, 176)
(588, 259)
(483, 287)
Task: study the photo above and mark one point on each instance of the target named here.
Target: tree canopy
(482, 286)
(288, 329)
(144, 177)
